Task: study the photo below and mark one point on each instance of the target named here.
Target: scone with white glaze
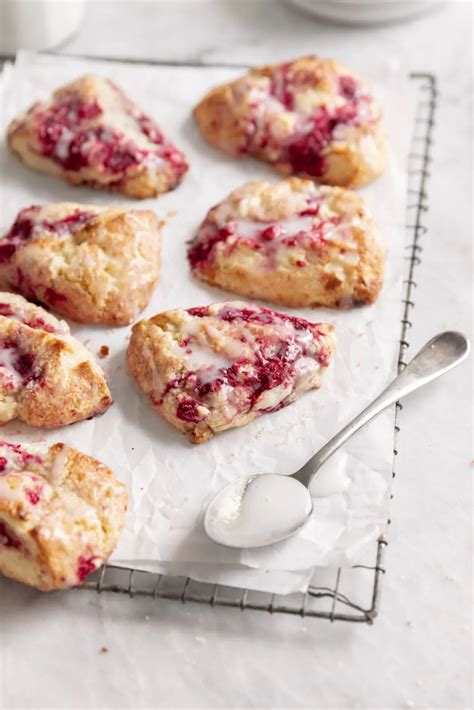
(310, 117)
(91, 264)
(61, 513)
(291, 243)
(210, 368)
(89, 132)
(47, 377)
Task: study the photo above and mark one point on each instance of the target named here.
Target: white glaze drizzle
(8, 358)
(289, 227)
(58, 465)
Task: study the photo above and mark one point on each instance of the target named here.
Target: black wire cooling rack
(362, 582)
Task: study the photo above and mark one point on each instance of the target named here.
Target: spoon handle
(439, 355)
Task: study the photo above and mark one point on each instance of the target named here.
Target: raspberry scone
(91, 264)
(211, 368)
(89, 132)
(61, 513)
(291, 243)
(309, 117)
(47, 377)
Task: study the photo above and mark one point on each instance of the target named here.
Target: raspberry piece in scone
(89, 132)
(291, 243)
(210, 368)
(91, 264)
(310, 117)
(61, 513)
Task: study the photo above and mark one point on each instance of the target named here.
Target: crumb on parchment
(104, 351)
(104, 649)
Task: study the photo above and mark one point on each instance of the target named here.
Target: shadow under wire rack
(349, 593)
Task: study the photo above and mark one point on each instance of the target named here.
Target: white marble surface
(418, 653)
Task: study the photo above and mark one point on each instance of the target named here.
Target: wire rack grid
(328, 601)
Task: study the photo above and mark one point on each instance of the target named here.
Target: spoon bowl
(258, 510)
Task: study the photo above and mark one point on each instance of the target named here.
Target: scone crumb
(103, 650)
(104, 351)
(171, 213)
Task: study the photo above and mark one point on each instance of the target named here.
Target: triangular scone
(61, 513)
(211, 368)
(91, 264)
(291, 243)
(90, 132)
(310, 117)
(47, 377)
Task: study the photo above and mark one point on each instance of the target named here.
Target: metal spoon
(260, 509)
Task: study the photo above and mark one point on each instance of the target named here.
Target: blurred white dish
(37, 24)
(366, 12)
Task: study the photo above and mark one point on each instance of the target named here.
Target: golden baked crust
(90, 132)
(291, 243)
(211, 368)
(47, 377)
(91, 264)
(310, 117)
(61, 513)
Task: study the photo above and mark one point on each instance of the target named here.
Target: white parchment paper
(170, 480)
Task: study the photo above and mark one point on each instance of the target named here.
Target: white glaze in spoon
(254, 510)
